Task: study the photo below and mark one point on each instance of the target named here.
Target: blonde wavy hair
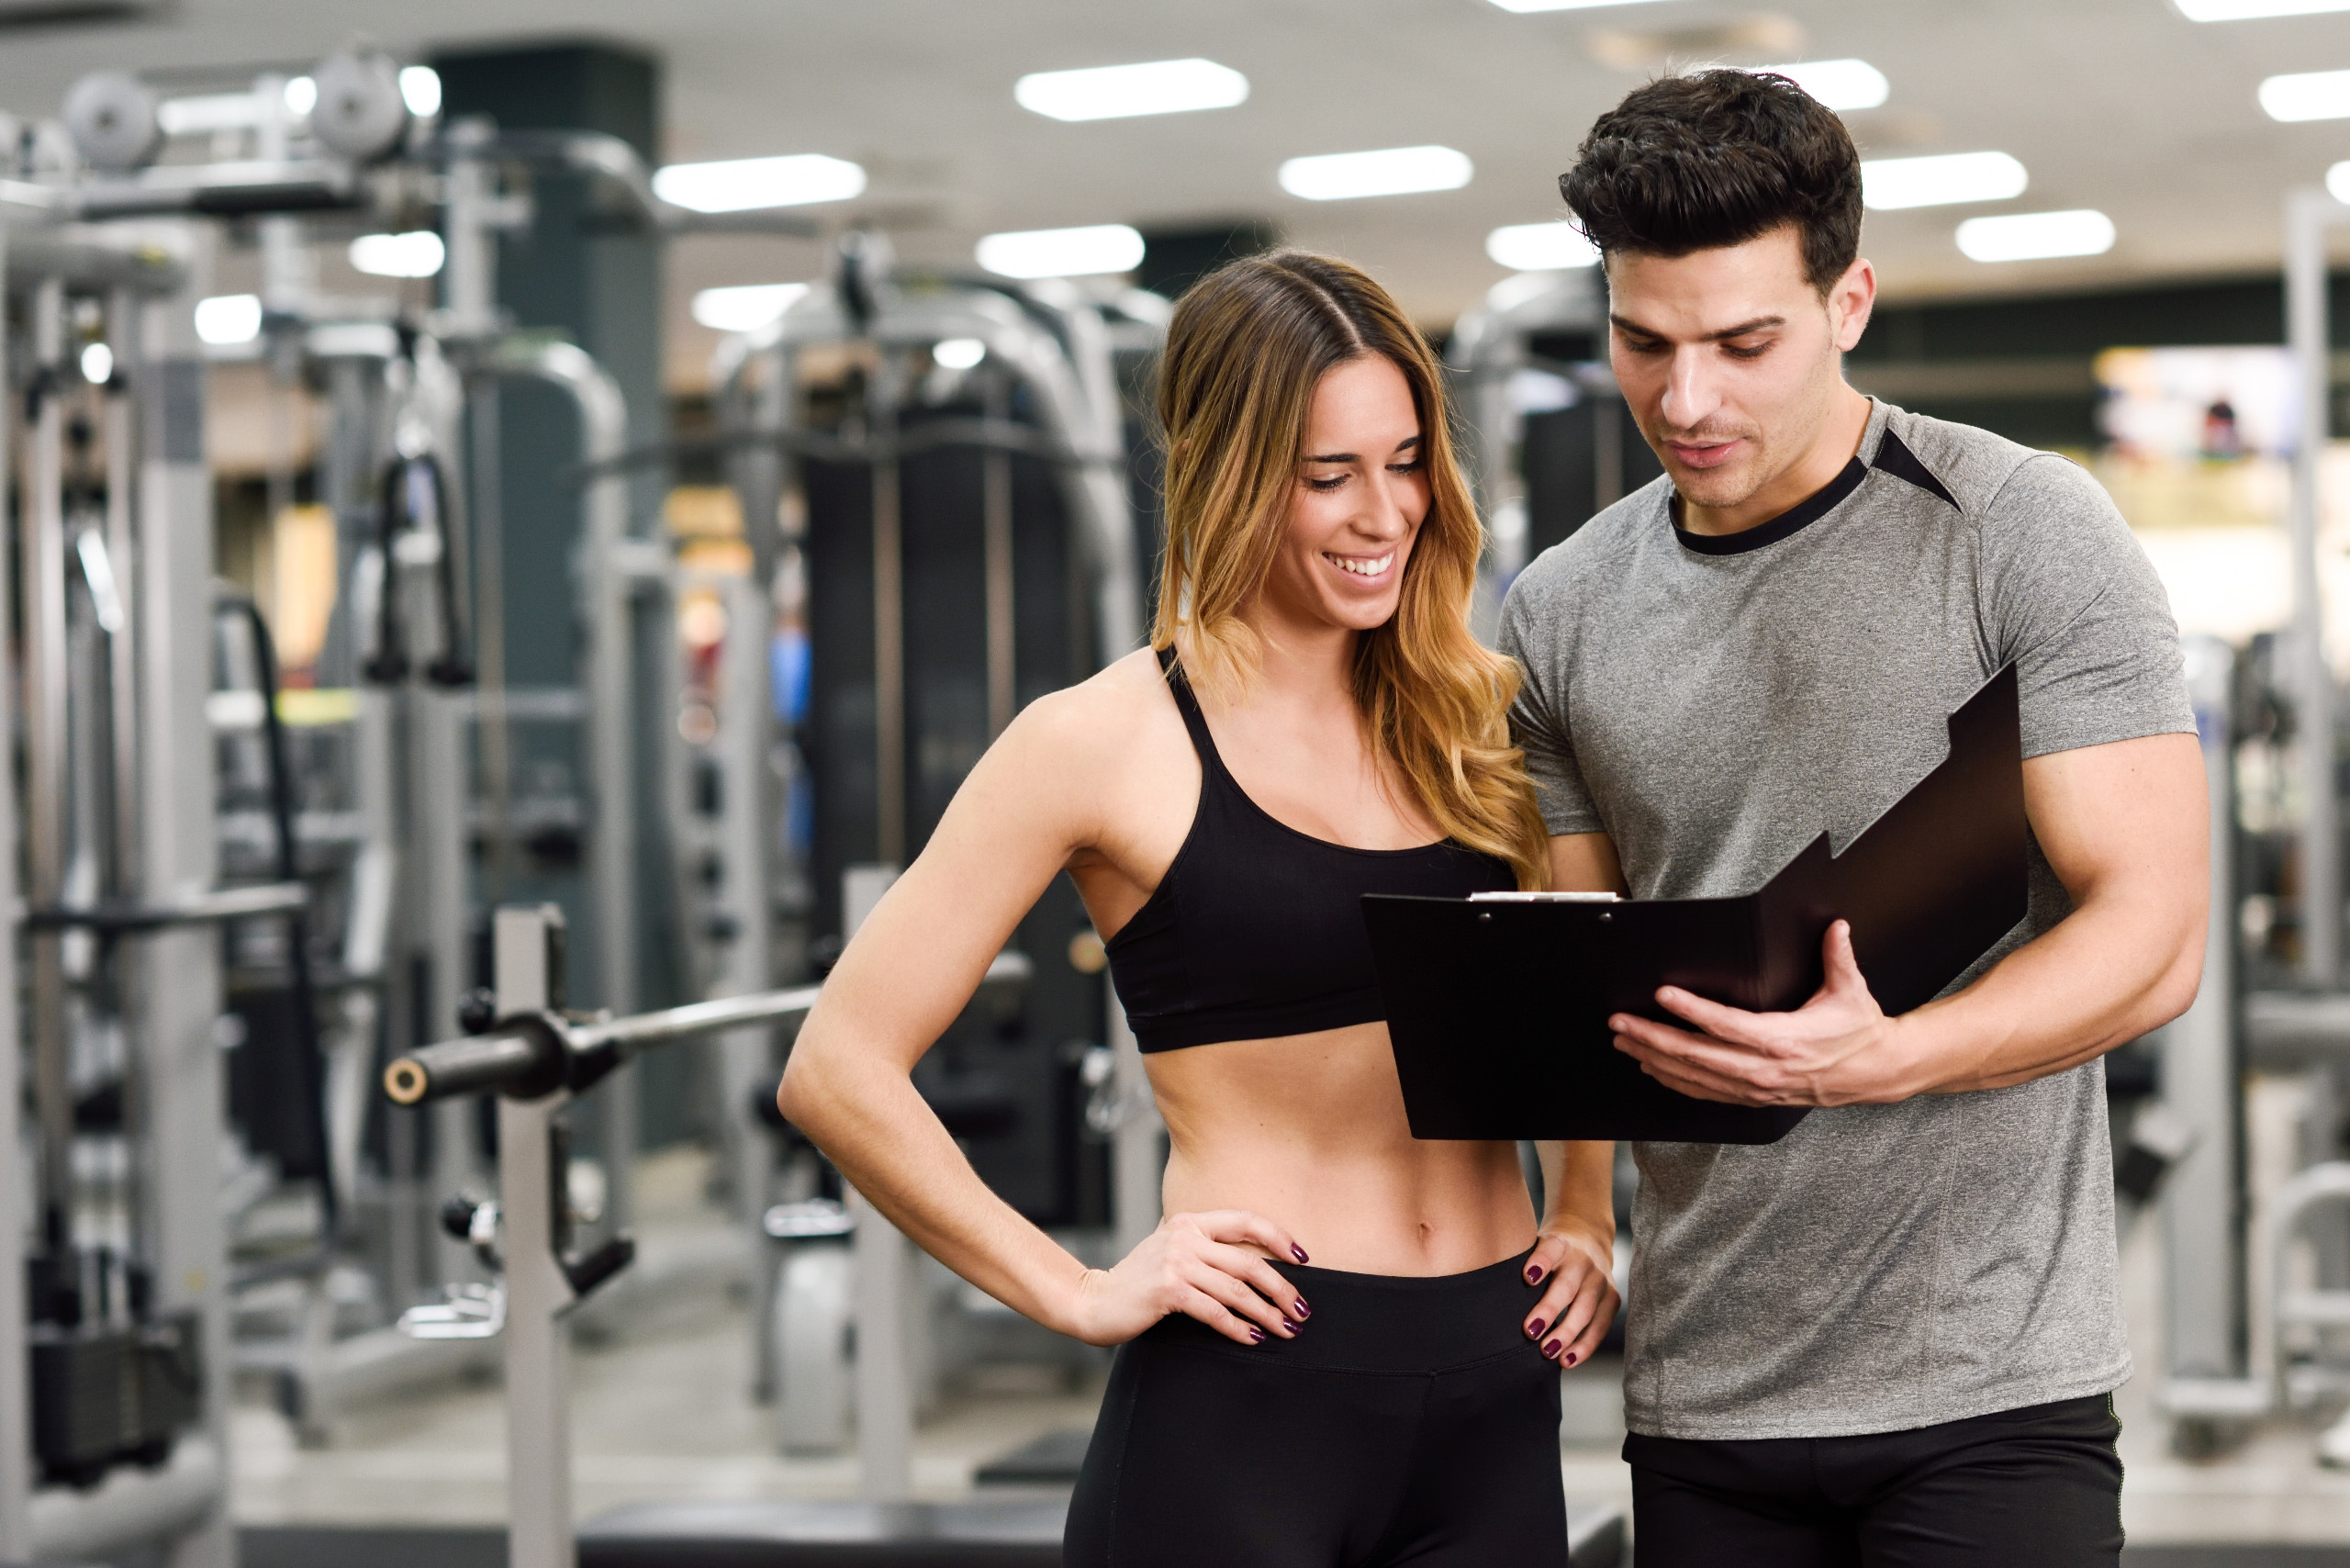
(1247, 348)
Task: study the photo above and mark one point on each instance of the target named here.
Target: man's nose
(1691, 391)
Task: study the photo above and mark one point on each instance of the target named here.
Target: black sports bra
(1255, 931)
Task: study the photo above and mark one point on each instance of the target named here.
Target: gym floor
(661, 1411)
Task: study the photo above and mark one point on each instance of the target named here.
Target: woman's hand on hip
(1574, 1265)
(1200, 1266)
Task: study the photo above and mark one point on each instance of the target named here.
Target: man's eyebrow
(1759, 324)
(1356, 456)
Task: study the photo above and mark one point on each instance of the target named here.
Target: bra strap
(1187, 702)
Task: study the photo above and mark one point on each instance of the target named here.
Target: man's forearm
(2111, 971)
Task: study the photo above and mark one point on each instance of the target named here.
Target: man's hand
(1839, 1049)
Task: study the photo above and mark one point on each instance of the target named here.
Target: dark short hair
(1717, 158)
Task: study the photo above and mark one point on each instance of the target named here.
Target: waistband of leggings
(1386, 1322)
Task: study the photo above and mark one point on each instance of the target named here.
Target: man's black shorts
(2018, 1489)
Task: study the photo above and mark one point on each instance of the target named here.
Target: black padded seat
(986, 1534)
(982, 1534)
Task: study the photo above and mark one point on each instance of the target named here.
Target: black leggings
(2018, 1489)
(1411, 1421)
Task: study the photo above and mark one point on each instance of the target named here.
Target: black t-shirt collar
(1801, 515)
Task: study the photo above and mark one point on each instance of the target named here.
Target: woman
(1313, 722)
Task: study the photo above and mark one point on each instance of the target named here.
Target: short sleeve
(1537, 719)
(2068, 596)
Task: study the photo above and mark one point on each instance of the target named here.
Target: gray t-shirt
(1712, 704)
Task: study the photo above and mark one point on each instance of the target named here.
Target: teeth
(1362, 568)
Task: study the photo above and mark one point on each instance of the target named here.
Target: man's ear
(1850, 300)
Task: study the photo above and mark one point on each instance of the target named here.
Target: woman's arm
(1576, 1249)
(1036, 798)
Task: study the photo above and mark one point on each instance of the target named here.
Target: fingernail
(1551, 1349)
(1297, 1251)
(1256, 1335)
(1534, 1329)
(1302, 1311)
(1534, 1276)
(1570, 1358)
(1288, 1327)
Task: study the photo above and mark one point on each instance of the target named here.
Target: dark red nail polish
(1256, 1335)
(1570, 1358)
(1534, 1276)
(1534, 1329)
(1551, 1349)
(1302, 1311)
(1287, 1325)
(1298, 1251)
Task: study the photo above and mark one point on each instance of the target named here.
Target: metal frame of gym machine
(2230, 1295)
(157, 900)
(1082, 412)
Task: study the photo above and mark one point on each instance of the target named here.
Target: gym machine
(1547, 440)
(113, 1333)
(537, 1058)
(959, 504)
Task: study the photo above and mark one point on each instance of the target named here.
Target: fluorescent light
(207, 111)
(1342, 176)
(2036, 235)
(958, 354)
(1062, 252)
(1113, 92)
(420, 90)
(1842, 84)
(1888, 183)
(1523, 5)
(2337, 182)
(1540, 247)
(738, 184)
(229, 318)
(745, 307)
(97, 364)
(2245, 10)
(2309, 94)
(416, 253)
(301, 95)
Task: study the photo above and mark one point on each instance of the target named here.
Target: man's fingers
(1676, 1073)
(1722, 1022)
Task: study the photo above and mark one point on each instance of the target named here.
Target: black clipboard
(1499, 1010)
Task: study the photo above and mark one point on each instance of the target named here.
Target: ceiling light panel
(1062, 252)
(740, 185)
(1393, 170)
(1887, 183)
(745, 307)
(2337, 183)
(1117, 91)
(2036, 235)
(2307, 94)
(2246, 10)
(1841, 84)
(1540, 247)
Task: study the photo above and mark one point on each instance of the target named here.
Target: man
(1891, 1336)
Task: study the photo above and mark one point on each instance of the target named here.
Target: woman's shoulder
(1102, 720)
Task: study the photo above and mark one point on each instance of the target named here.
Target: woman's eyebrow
(1409, 440)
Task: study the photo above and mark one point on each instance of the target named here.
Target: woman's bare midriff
(1309, 1131)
